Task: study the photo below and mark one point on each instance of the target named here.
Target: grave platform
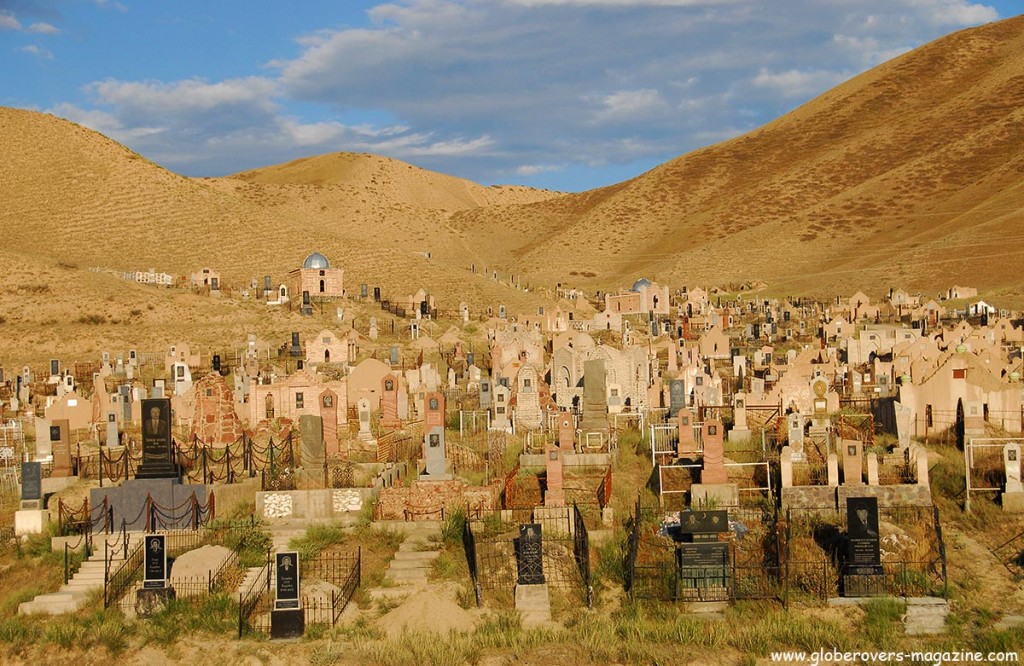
(128, 501)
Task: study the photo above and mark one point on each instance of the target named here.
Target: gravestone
(31, 517)
(501, 395)
(714, 486)
(485, 393)
(363, 408)
(703, 571)
(863, 574)
(157, 448)
(434, 454)
(112, 439)
(795, 422)
(287, 619)
(364, 290)
(786, 466)
(554, 493)
(714, 453)
(54, 367)
(740, 433)
(595, 408)
(529, 551)
(60, 443)
(686, 442)
(853, 467)
(566, 432)
(155, 558)
(394, 357)
(373, 334)
(44, 448)
(31, 484)
(904, 424)
(433, 438)
(833, 470)
(155, 593)
(872, 463)
(329, 419)
(1013, 495)
(676, 397)
(311, 430)
(390, 387)
(698, 526)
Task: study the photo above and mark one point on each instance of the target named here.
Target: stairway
(280, 536)
(926, 616)
(410, 568)
(75, 594)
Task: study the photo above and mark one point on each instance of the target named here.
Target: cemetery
(698, 457)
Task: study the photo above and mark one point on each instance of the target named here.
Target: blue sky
(562, 94)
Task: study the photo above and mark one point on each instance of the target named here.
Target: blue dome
(316, 260)
(642, 282)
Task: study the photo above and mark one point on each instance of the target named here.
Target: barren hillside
(909, 174)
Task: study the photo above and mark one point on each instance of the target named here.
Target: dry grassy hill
(908, 175)
(392, 181)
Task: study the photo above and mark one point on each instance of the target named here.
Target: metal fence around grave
(489, 545)
(749, 566)
(329, 582)
(913, 554)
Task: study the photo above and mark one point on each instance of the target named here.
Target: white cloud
(37, 51)
(630, 106)
(488, 88)
(622, 3)
(536, 169)
(955, 13)
(42, 28)
(9, 22)
(799, 83)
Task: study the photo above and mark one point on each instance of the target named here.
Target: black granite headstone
(287, 564)
(54, 367)
(295, 349)
(863, 555)
(470, 358)
(157, 449)
(530, 555)
(701, 566)
(698, 526)
(155, 561)
(676, 396)
(376, 294)
(216, 362)
(31, 481)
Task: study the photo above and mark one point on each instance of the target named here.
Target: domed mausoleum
(318, 278)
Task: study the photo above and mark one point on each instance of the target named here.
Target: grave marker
(157, 448)
(529, 550)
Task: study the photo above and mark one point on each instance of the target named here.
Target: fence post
(65, 562)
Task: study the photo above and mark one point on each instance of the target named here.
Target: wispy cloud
(9, 22)
(488, 89)
(42, 28)
(37, 51)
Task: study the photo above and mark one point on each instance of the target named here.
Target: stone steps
(88, 579)
(414, 559)
(925, 616)
(534, 605)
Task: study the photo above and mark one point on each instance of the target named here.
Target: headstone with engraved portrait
(157, 447)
